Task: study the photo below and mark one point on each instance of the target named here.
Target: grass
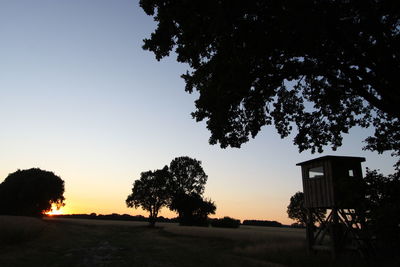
(78, 242)
(15, 229)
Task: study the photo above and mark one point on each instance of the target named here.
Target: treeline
(225, 222)
(262, 223)
(114, 216)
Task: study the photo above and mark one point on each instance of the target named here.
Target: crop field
(79, 242)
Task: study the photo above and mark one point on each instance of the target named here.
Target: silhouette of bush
(262, 223)
(225, 222)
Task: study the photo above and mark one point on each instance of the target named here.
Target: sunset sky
(79, 97)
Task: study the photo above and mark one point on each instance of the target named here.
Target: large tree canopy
(319, 66)
(31, 192)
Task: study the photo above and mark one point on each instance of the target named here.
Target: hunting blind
(332, 181)
(335, 184)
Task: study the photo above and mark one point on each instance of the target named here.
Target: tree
(192, 209)
(187, 176)
(322, 67)
(382, 203)
(186, 183)
(31, 192)
(297, 211)
(151, 192)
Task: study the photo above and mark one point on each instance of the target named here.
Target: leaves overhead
(320, 67)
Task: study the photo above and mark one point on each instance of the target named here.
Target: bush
(262, 223)
(225, 222)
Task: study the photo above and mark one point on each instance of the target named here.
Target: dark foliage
(262, 223)
(31, 192)
(383, 209)
(192, 209)
(297, 211)
(151, 192)
(187, 176)
(225, 222)
(187, 183)
(321, 67)
(179, 187)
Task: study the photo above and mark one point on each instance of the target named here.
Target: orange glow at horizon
(60, 211)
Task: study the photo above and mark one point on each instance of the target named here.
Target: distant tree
(383, 209)
(31, 192)
(187, 176)
(150, 192)
(187, 183)
(192, 209)
(297, 211)
(322, 67)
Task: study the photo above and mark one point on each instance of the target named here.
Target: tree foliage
(192, 209)
(297, 211)
(187, 176)
(383, 208)
(187, 187)
(179, 187)
(31, 192)
(320, 67)
(150, 192)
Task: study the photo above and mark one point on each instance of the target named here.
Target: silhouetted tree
(31, 192)
(187, 176)
(192, 209)
(187, 183)
(319, 66)
(383, 209)
(150, 192)
(297, 211)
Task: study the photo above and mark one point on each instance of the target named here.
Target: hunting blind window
(316, 172)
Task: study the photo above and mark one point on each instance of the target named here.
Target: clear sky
(79, 97)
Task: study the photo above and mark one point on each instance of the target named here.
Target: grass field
(79, 242)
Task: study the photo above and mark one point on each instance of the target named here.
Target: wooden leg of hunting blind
(310, 231)
(335, 235)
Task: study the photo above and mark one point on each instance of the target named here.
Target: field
(78, 242)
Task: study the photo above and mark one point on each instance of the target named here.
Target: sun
(55, 211)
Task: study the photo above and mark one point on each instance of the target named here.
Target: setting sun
(55, 211)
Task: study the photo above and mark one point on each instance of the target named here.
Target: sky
(81, 98)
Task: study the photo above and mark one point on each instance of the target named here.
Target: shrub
(225, 222)
(262, 223)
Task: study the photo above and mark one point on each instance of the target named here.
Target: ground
(78, 242)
